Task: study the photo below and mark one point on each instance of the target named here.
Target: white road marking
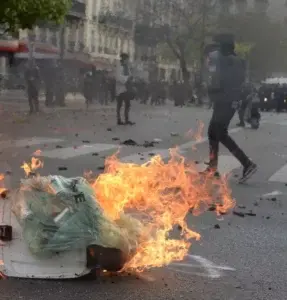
(71, 152)
(280, 175)
(145, 156)
(27, 142)
(164, 153)
(210, 269)
(226, 164)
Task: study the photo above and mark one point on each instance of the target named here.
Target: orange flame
(32, 166)
(37, 152)
(163, 193)
(198, 135)
(2, 189)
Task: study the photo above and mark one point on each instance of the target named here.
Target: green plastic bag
(61, 214)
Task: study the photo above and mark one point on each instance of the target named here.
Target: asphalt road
(242, 258)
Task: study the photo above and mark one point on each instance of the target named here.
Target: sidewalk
(16, 101)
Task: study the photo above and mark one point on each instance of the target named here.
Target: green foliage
(244, 49)
(24, 14)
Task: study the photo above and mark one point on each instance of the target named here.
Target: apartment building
(150, 24)
(95, 31)
(110, 28)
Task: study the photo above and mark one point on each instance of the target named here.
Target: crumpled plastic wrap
(61, 214)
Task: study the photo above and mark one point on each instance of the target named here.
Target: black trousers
(242, 110)
(123, 98)
(218, 133)
(33, 98)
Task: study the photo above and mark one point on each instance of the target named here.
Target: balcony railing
(78, 9)
(146, 35)
(116, 20)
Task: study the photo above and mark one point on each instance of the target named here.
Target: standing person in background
(246, 93)
(88, 88)
(226, 75)
(32, 77)
(124, 89)
(112, 87)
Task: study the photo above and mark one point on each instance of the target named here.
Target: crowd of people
(99, 86)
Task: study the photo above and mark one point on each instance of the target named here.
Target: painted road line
(165, 153)
(280, 175)
(226, 164)
(200, 266)
(71, 152)
(27, 142)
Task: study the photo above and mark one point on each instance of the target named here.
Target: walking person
(124, 89)
(226, 74)
(32, 77)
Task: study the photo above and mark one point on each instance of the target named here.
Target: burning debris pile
(129, 207)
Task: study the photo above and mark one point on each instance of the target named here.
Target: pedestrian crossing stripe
(145, 156)
(280, 175)
(27, 142)
(71, 152)
(226, 164)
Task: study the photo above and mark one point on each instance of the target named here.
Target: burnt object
(62, 168)
(130, 142)
(110, 259)
(5, 233)
(251, 214)
(148, 144)
(4, 194)
(239, 214)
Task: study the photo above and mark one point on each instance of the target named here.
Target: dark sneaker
(248, 171)
(129, 123)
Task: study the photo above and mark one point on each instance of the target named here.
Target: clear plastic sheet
(59, 214)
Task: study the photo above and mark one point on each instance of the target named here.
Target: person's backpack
(226, 74)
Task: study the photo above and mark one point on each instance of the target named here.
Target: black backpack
(225, 74)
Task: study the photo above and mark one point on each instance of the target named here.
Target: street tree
(182, 28)
(24, 14)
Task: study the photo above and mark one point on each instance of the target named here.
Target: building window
(93, 42)
(42, 35)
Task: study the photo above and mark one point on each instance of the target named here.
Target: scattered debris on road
(133, 143)
(241, 206)
(115, 139)
(95, 154)
(147, 144)
(157, 141)
(174, 134)
(86, 142)
(216, 226)
(130, 142)
(239, 214)
(272, 195)
(251, 214)
(62, 168)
